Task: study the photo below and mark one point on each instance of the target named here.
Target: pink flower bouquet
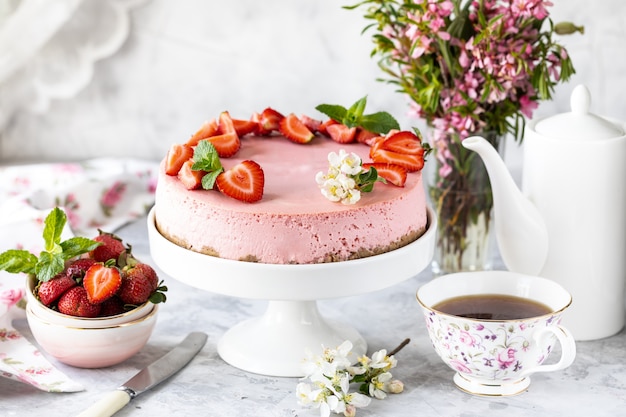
(468, 67)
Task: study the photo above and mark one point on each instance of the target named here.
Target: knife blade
(153, 374)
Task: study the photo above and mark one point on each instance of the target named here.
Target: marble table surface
(594, 385)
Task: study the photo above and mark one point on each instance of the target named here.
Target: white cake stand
(275, 343)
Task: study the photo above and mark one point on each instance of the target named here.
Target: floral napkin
(97, 194)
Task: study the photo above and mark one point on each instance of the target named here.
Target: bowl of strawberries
(91, 302)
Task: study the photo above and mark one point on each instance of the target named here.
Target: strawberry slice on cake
(295, 130)
(244, 182)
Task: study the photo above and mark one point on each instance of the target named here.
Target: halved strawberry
(208, 128)
(176, 157)
(244, 182)
(376, 145)
(269, 120)
(341, 133)
(259, 130)
(366, 137)
(323, 127)
(244, 127)
(226, 145)
(226, 124)
(312, 124)
(192, 180)
(294, 130)
(412, 163)
(395, 174)
(403, 142)
(101, 282)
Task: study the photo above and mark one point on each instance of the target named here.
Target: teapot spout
(521, 233)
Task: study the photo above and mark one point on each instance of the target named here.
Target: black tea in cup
(492, 307)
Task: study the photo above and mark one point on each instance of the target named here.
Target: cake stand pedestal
(275, 343)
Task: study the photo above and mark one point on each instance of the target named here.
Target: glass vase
(460, 194)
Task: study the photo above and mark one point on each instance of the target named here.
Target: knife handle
(108, 405)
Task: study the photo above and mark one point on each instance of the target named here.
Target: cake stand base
(275, 343)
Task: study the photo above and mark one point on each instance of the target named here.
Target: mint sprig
(366, 180)
(205, 158)
(51, 260)
(380, 122)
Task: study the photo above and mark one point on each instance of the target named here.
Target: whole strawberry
(74, 302)
(51, 290)
(111, 247)
(78, 267)
(111, 307)
(140, 283)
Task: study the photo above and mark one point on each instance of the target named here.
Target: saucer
(491, 388)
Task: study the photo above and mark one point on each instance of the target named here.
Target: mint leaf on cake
(379, 122)
(206, 158)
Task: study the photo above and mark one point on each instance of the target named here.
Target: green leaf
(381, 122)
(76, 246)
(158, 296)
(354, 113)
(367, 188)
(205, 157)
(15, 261)
(334, 111)
(369, 176)
(357, 109)
(208, 181)
(49, 266)
(53, 227)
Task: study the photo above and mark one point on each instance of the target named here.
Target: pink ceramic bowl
(86, 347)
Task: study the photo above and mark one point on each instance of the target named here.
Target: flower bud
(567, 28)
(395, 387)
(350, 411)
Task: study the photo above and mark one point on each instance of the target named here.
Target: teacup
(496, 356)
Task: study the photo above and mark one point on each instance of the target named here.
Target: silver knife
(155, 373)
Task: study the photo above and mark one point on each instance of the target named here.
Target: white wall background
(187, 60)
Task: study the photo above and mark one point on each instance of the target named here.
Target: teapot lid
(579, 123)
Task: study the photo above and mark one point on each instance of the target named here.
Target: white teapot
(569, 222)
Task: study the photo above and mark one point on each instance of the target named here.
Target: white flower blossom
(338, 184)
(340, 354)
(380, 360)
(328, 363)
(358, 400)
(352, 197)
(378, 384)
(347, 401)
(333, 190)
(305, 394)
(321, 178)
(331, 374)
(344, 162)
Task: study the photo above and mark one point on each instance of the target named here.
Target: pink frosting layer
(294, 222)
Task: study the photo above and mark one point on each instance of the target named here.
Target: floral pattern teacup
(496, 357)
